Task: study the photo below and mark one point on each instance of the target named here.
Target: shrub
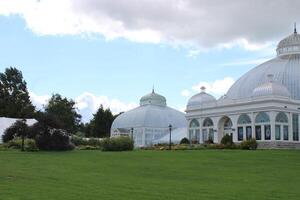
(15, 143)
(54, 139)
(226, 140)
(29, 144)
(209, 141)
(184, 141)
(249, 144)
(17, 129)
(87, 147)
(121, 143)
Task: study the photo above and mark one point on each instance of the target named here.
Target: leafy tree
(64, 111)
(17, 129)
(14, 97)
(101, 123)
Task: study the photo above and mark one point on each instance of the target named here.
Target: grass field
(204, 174)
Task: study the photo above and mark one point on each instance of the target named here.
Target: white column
(200, 127)
(252, 124)
(144, 137)
(272, 122)
(290, 121)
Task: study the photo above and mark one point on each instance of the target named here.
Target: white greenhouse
(149, 123)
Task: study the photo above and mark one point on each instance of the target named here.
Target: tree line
(15, 103)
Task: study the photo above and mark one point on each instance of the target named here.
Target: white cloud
(185, 93)
(216, 88)
(202, 23)
(87, 104)
(39, 100)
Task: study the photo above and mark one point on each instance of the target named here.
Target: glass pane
(281, 117)
(204, 135)
(240, 133)
(277, 132)
(285, 132)
(197, 135)
(248, 132)
(194, 123)
(295, 127)
(267, 132)
(211, 134)
(244, 119)
(208, 122)
(258, 132)
(262, 117)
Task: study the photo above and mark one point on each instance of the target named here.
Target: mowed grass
(204, 174)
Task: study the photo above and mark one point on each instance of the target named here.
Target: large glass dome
(150, 121)
(285, 68)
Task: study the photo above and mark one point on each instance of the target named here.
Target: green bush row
(117, 144)
(29, 144)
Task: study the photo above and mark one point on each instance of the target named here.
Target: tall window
(295, 127)
(244, 126)
(207, 130)
(194, 131)
(281, 126)
(262, 126)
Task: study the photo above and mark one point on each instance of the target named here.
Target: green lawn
(203, 174)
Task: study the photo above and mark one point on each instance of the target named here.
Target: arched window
(262, 117)
(194, 131)
(207, 130)
(244, 126)
(194, 123)
(244, 119)
(262, 126)
(281, 118)
(227, 123)
(281, 126)
(207, 122)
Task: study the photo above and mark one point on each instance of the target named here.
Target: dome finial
(153, 89)
(202, 88)
(295, 28)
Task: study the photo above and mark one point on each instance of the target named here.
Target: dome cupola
(289, 45)
(153, 99)
(271, 88)
(201, 99)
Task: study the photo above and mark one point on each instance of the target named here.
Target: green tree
(14, 97)
(64, 111)
(101, 123)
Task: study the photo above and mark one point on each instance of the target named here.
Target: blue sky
(116, 67)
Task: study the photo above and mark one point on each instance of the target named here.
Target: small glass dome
(201, 99)
(289, 45)
(153, 99)
(271, 88)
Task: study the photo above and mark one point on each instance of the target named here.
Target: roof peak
(295, 28)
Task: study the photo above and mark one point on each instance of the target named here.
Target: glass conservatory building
(263, 104)
(149, 123)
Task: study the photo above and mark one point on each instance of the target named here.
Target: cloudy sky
(113, 52)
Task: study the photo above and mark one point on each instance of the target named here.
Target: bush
(226, 140)
(249, 144)
(54, 139)
(29, 144)
(184, 141)
(87, 147)
(79, 141)
(121, 143)
(209, 141)
(17, 129)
